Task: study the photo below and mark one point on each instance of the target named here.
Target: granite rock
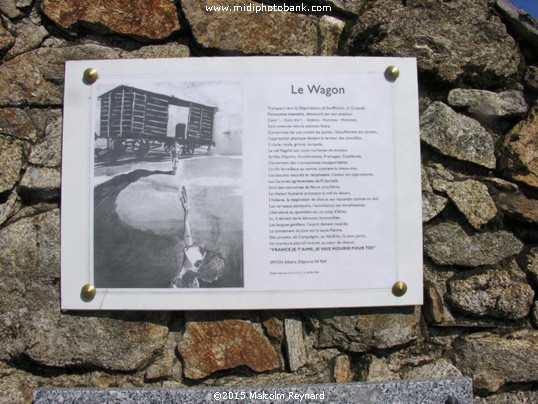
(141, 19)
(342, 369)
(295, 344)
(210, 346)
(456, 135)
(510, 397)
(448, 244)
(16, 123)
(493, 360)
(522, 25)
(48, 152)
(464, 48)
(40, 184)
(36, 77)
(534, 314)
(169, 50)
(31, 323)
(352, 6)
(367, 329)
(9, 8)
(11, 205)
(491, 294)
(482, 103)
(440, 368)
(12, 154)
(274, 328)
(330, 29)
(531, 78)
(432, 204)
(519, 154)
(29, 36)
(518, 206)
(473, 200)
(6, 39)
(277, 33)
(530, 264)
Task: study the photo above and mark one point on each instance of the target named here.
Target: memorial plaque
(241, 183)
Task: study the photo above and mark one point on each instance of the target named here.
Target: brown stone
(342, 369)
(295, 344)
(519, 154)
(15, 122)
(330, 29)
(274, 328)
(29, 36)
(473, 200)
(210, 346)
(518, 206)
(494, 360)
(142, 19)
(277, 33)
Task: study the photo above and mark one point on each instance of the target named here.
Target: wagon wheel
(190, 149)
(140, 148)
(117, 148)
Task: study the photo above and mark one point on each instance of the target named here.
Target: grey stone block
(432, 391)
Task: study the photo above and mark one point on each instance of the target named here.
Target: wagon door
(177, 122)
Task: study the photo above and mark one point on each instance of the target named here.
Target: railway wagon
(138, 120)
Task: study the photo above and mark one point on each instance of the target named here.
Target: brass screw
(87, 293)
(392, 73)
(90, 75)
(399, 289)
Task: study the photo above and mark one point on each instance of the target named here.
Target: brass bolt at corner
(87, 293)
(392, 73)
(399, 289)
(90, 75)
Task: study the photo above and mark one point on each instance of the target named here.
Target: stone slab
(434, 391)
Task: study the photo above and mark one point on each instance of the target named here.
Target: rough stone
(31, 323)
(518, 206)
(48, 152)
(274, 328)
(207, 347)
(9, 8)
(456, 135)
(16, 123)
(521, 23)
(511, 397)
(493, 360)
(12, 153)
(492, 294)
(330, 29)
(360, 331)
(530, 264)
(352, 6)
(342, 369)
(432, 204)
(6, 39)
(141, 19)
(500, 184)
(278, 33)
(531, 78)
(519, 154)
(169, 50)
(464, 48)
(448, 244)
(167, 365)
(29, 36)
(36, 77)
(9, 207)
(295, 344)
(438, 369)
(534, 314)
(473, 200)
(40, 183)
(484, 103)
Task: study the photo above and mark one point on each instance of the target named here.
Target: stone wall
(478, 75)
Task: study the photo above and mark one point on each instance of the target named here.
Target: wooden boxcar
(138, 120)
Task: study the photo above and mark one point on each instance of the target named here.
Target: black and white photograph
(167, 184)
